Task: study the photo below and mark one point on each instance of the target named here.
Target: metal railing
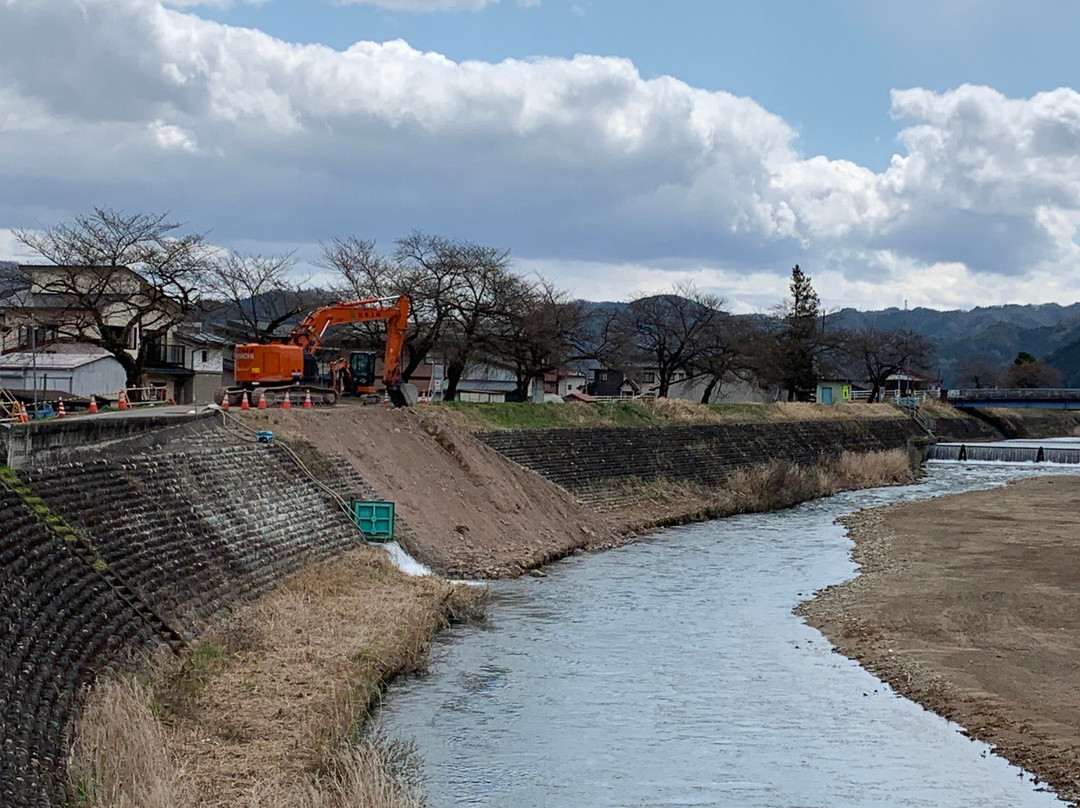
(147, 395)
(166, 354)
(1025, 393)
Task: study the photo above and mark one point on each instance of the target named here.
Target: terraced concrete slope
(586, 461)
(104, 560)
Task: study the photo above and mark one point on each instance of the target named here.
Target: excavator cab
(362, 371)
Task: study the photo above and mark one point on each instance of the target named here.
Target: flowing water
(672, 672)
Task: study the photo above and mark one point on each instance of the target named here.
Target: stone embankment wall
(585, 461)
(105, 559)
(1024, 423)
(962, 427)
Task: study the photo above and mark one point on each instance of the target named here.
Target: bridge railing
(1022, 393)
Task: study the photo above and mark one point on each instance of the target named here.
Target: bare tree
(536, 330)
(480, 300)
(668, 331)
(361, 270)
(978, 371)
(259, 290)
(117, 280)
(725, 352)
(878, 354)
(426, 268)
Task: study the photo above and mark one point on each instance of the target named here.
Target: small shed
(834, 391)
(75, 374)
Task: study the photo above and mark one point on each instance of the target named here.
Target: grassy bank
(644, 412)
(644, 506)
(267, 709)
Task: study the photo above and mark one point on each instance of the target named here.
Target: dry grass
(261, 711)
(119, 758)
(642, 412)
(368, 773)
(764, 487)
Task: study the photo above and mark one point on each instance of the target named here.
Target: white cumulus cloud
(167, 136)
(581, 161)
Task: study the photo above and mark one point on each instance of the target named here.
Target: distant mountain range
(1049, 332)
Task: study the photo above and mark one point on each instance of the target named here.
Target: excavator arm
(308, 334)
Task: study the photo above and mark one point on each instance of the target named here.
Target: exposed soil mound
(474, 513)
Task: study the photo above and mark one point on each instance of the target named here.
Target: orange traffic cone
(92, 409)
(262, 401)
(244, 402)
(24, 416)
(386, 399)
(61, 412)
(225, 401)
(307, 400)
(121, 400)
(286, 404)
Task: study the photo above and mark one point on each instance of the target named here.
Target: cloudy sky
(926, 151)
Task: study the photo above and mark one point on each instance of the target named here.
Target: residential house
(44, 305)
(204, 356)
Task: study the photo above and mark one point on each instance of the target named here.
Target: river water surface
(672, 672)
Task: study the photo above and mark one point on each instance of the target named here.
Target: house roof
(203, 338)
(23, 360)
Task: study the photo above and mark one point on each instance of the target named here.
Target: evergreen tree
(800, 339)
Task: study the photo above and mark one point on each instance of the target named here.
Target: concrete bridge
(1035, 398)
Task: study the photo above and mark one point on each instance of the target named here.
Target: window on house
(39, 335)
(601, 376)
(205, 357)
(650, 377)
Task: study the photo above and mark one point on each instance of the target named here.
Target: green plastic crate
(375, 519)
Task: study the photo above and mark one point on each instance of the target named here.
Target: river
(672, 672)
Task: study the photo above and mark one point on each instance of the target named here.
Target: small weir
(1049, 450)
(672, 672)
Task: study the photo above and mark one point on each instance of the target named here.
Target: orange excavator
(274, 369)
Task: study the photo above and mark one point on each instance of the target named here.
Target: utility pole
(33, 359)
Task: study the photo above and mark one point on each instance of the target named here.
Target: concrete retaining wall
(582, 460)
(44, 443)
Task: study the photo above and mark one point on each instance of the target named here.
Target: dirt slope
(968, 605)
(474, 512)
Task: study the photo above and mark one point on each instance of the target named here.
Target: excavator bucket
(404, 395)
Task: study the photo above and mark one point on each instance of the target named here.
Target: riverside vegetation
(268, 710)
